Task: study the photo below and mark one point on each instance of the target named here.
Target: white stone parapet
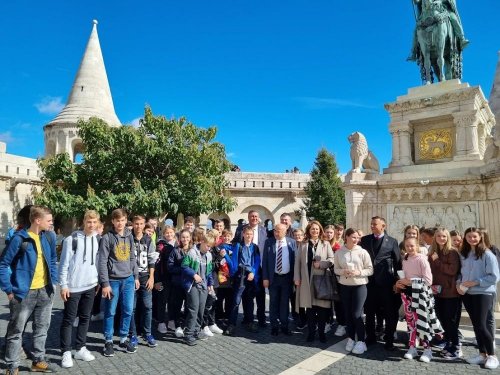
(267, 181)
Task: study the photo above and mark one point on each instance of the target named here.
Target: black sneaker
(108, 349)
(128, 347)
(230, 330)
(191, 341)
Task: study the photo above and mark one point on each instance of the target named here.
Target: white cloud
(135, 122)
(323, 103)
(50, 105)
(6, 137)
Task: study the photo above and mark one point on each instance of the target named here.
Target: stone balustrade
(267, 181)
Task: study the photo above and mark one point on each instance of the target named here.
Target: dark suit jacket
(386, 261)
(269, 258)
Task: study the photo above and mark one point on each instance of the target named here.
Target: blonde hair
(210, 237)
(91, 214)
(435, 248)
(37, 212)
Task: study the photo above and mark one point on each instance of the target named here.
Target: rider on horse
(454, 17)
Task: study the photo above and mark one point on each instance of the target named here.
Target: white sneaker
(328, 327)
(491, 362)
(477, 360)
(411, 353)
(206, 332)
(359, 348)
(340, 331)
(84, 355)
(162, 328)
(171, 325)
(179, 332)
(350, 345)
(97, 317)
(76, 321)
(426, 356)
(67, 360)
(215, 329)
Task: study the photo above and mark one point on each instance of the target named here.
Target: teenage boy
(164, 247)
(30, 288)
(78, 280)
(117, 270)
(145, 253)
(198, 282)
(245, 264)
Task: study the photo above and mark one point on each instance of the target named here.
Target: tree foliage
(163, 166)
(325, 200)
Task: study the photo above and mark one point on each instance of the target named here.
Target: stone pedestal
(433, 124)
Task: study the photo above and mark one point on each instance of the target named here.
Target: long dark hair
(466, 247)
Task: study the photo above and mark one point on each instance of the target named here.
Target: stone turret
(90, 96)
(495, 93)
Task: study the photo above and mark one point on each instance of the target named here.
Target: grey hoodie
(78, 269)
(116, 260)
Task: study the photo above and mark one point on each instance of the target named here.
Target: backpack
(74, 241)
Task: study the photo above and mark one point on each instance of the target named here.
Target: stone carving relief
(451, 216)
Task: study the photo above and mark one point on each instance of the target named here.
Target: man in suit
(386, 259)
(259, 239)
(277, 274)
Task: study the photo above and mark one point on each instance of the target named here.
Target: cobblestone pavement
(248, 353)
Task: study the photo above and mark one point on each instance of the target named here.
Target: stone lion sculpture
(361, 156)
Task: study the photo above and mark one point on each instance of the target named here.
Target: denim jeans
(243, 293)
(39, 303)
(142, 314)
(123, 291)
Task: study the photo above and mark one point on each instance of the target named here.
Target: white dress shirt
(285, 257)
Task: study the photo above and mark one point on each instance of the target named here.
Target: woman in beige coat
(313, 257)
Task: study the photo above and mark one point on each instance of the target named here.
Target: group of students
(193, 282)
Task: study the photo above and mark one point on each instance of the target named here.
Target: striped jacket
(191, 266)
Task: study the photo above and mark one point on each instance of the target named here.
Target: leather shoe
(322, 339)
(389, 346)
(286, 331)
(310, 338)
(370, 341)
(274, 332)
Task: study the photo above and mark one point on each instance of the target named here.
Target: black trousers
(224, 303)
(316, 318)
(447, 313)
(339, 308)
(177, 297)
(279, 300)
(78, 304)
(160, 299)
(385, 298)
(478, 306)
(260, 299)
(353, 299)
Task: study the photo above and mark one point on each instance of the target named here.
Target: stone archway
(221, 216)
(264, 213)
(77, 150)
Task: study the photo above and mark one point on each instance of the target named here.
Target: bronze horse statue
(439, 51)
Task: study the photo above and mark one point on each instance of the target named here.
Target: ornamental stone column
(467, 145)
(401, 143)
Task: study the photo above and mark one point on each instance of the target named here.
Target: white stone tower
(90, 96)
(495, 93)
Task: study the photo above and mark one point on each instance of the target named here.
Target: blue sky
(280, 80)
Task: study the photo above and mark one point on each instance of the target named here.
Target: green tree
(325, 200)
(163, 166)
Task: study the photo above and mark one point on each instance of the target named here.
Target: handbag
(325, 287)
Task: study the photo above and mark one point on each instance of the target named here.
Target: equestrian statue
(438, 40)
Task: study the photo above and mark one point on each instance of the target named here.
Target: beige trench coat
(305, 293)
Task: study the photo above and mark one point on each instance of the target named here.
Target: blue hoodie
(23, 270)
(483, 270)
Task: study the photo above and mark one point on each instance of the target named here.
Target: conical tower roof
(90, 95)
(495, 93)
